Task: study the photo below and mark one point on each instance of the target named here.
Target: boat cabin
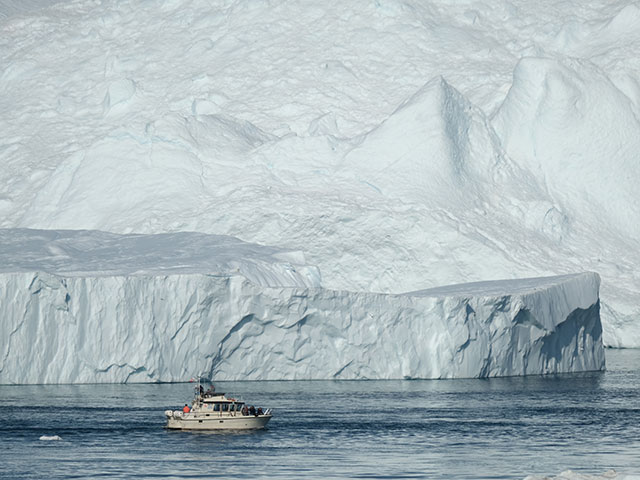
(222, 405)
(218, 403)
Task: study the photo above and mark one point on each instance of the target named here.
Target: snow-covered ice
(397, 145)
(111, 308)
(72, 253)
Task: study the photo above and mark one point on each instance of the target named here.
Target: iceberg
(95, 307)
(442, 146)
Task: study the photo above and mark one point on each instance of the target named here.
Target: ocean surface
(462, 429)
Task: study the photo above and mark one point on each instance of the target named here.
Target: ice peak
(564, 120)
(435, 143)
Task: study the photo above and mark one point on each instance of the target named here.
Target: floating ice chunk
(138, 308)
(571, 475)
(49, 437)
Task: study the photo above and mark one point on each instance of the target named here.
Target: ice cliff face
(164, 325)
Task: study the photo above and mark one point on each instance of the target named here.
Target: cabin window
(225, 407)
(216, 407)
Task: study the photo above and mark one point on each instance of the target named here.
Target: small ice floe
(50, 437)
(571, 475)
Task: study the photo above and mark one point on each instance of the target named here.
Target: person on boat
(245, 411)
(201, 391)
(260, 411)
(252, 410)
(186, 408)
(210, 390)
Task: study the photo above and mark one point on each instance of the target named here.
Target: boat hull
(200, 421)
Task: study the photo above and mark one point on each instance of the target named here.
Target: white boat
(215, 411)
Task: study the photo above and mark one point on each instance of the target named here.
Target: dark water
(499, 428)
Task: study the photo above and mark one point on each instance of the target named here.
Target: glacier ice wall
(170, 326)
(448, 143)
